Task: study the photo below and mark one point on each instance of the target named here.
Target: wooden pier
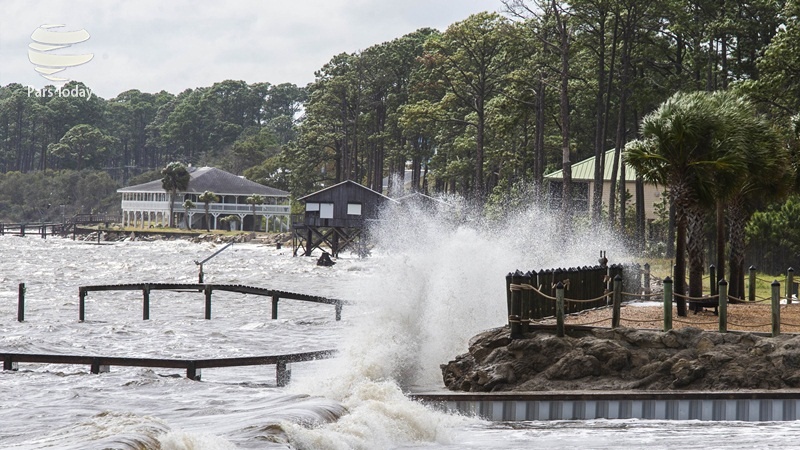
(99, 364)
(207, 289)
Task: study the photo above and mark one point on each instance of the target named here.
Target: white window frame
(326, 210)
(312, 207)
(354, 209)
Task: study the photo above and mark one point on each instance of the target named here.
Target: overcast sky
(171, 45)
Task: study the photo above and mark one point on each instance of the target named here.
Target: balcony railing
(214, 208)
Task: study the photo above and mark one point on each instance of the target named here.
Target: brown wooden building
(336, 216)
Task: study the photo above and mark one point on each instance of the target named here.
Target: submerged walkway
(100, 364)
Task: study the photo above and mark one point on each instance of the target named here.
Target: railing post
(789, 285)
(338, 311)
(617, 296)
(22, 229)
(751, 288)
(283, 374)
(647, 279)
(560, 309)
(8, 363)
(207, 291)
(667, 304)
(21, 303)
(712, 273)
(81, 304)
(275, 307)
(192, 372)
(723, 306)
(146, 302)
(776, 308)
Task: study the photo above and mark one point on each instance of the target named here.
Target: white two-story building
(147, 205)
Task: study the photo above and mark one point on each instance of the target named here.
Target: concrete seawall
(752, 406)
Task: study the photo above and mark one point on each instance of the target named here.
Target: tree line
(484, 108)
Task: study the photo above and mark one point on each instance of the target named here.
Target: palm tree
(176, 178)
(207, 198)
(679, 150)
(187, 205)
(769, 178)
(254, 200)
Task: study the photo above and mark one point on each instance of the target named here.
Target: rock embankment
(625, 359)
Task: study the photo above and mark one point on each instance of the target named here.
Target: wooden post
(207, 291)
(275, 307)
(146, 302)
(200, 274)
(560, 309)
(525, 310)
(22, 229)
(82, 304)
(192, 372)
(789, 285)
(21, 303)
(776, 308)
(8, 363)
(667, 304)
(339, 311)
(751, 294)
(647, 279)
(723, 306)
(514, 319)
(44, 231)
(617, 296)
(712, 272)
(283, 374)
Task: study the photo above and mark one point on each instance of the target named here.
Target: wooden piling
(617, 296)
(338, 307)
(525, 315)
(82, 304)
(21, 303)
(667, 304)
(560, 309)
(207, 291)
(776, 308)
(283, 374)
(789, 285)
(751, 294)
(146, 302)
(275, 299)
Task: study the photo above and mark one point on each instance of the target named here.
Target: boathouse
(147, 205)
(336, 216)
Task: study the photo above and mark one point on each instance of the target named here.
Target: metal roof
(338, 185)
(215, 180)
(584, 170)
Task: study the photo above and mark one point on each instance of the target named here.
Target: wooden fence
(586, 284)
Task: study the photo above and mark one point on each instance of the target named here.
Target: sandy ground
(650, 315)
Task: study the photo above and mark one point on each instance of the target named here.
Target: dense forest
(482, 109)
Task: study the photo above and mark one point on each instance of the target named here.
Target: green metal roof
(584, 170)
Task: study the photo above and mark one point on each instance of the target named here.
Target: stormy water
(432, 282)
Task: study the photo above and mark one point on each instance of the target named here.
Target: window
(326, 210)
(312, 207)
(354, 209)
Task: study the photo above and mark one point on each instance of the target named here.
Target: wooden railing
(99, 364)
(207, 289)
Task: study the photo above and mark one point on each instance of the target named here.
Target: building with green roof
(583, 186)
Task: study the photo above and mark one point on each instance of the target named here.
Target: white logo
(45, 41)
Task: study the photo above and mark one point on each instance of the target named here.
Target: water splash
(438, 279)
